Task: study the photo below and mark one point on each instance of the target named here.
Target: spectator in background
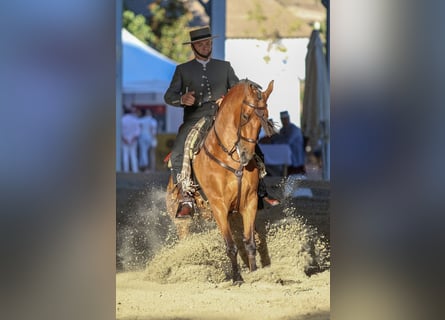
(291, 134)
(147, 140)
(130, 133)
(263, 195)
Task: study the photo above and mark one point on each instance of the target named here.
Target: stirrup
(186, 209)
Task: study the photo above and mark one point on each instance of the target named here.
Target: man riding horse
(197, 86)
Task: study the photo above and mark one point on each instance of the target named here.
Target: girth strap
(237, 172)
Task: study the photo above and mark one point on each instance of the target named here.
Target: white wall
(286, 65)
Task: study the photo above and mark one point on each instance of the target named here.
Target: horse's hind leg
(261, 243)
(250, 245)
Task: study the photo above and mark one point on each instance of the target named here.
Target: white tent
(144, 70)
(146, 75)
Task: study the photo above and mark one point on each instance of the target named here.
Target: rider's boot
(186, 207)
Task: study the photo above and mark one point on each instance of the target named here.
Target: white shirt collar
(203, 62)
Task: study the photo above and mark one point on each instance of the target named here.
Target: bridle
(259, 112)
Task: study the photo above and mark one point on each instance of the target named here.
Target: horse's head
(253, 114)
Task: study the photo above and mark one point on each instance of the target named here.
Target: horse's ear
(269, 89)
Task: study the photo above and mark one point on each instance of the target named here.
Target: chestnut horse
(226, 170)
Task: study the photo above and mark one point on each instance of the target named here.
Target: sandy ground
(190, 279)
(305, 299)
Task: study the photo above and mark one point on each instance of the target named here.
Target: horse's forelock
(268, 126)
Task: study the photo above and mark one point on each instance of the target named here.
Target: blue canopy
(144, 70)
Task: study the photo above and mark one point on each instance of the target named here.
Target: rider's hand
(188, 99)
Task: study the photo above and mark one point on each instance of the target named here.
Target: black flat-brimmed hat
(284, 114)
(200, 34)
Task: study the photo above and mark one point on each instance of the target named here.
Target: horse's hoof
(237, 282)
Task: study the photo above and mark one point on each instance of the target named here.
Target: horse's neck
(226, 125)
(223, 131)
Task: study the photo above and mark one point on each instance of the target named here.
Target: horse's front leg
(232, 253)
(231, 249)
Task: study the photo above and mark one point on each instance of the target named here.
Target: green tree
(165, 29)
(136, 25)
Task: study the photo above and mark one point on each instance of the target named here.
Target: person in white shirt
(130, 133)
(147, 140)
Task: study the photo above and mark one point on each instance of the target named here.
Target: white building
(282, 61)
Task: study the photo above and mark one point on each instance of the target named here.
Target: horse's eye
(245, 116)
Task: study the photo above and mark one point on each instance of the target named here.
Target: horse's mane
(247, 81)
(242, 85)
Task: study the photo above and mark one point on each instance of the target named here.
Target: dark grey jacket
(209, 83)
